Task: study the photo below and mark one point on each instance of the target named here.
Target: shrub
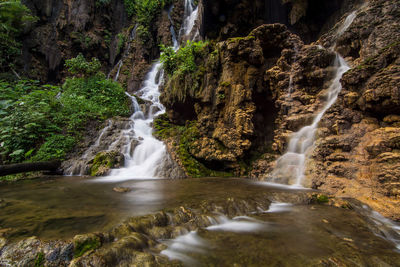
(14, 17)
(81, 67)
(43, 122)
(182, 61)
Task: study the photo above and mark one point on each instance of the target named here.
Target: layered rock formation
(356, 154)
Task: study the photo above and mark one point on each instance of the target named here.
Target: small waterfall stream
(290, 167)
(149, 152)
(147, 157)
(190, 15)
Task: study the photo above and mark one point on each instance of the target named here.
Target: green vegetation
(182, 61)
(44, 122)
(39, 261)
(186, 68)
(103, 161)
(86, 245)
(319, 198)
(14, 17)
(79, 66)
(184, 137)
(145, 11)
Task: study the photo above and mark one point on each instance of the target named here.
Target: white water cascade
(290, 167)
(191, 14)
(147, 157)
(150, 151)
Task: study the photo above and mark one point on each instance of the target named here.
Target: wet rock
(122, 189)
(86, 243)
(229, 103)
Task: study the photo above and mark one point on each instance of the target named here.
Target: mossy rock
(319, 199)
(85, 243)
(104, 161)
(40, 260)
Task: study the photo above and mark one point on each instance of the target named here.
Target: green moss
(319, 198)
(102, 161)
(237, 39)
(185, 136)
(20, 176)
(39, 261)
(225, 84)
(87, 245)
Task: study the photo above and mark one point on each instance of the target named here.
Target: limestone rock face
(356, 154)
(232, 105)
(69, 27)
(66, 28)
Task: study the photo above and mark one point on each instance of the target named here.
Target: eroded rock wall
(356, 153)
(66, 28)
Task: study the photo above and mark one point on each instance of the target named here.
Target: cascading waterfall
(290, 167)
(120, 63)
(150, 151)
(190, 14)
(175, 43)
(147, 157)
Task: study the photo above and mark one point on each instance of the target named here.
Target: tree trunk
(29, 167)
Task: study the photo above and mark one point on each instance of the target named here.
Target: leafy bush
(14, 16)
(43, 122)
(26, 116)
(182, 61)
(145, 11)
(81, 67)
(92, 98)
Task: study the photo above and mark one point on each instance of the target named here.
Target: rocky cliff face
(253, 92)
(102, 30)
(66, 28)
(356, 154)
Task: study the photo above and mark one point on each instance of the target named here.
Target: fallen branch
(29, 167)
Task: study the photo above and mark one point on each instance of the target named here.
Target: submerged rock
(122, 189)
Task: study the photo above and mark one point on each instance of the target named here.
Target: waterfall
(290, 167)
(190, 14)
(147, 157)
(120, 63)
(175, 43)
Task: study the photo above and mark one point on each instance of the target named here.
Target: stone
(121, 189)
(103, 162)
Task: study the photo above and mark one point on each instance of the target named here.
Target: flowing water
(149, 153)
(145, 160)
(190, 16)
(290, 232)
(290, 166)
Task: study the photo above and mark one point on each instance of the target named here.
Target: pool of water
(290, 232)
(63, 207)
